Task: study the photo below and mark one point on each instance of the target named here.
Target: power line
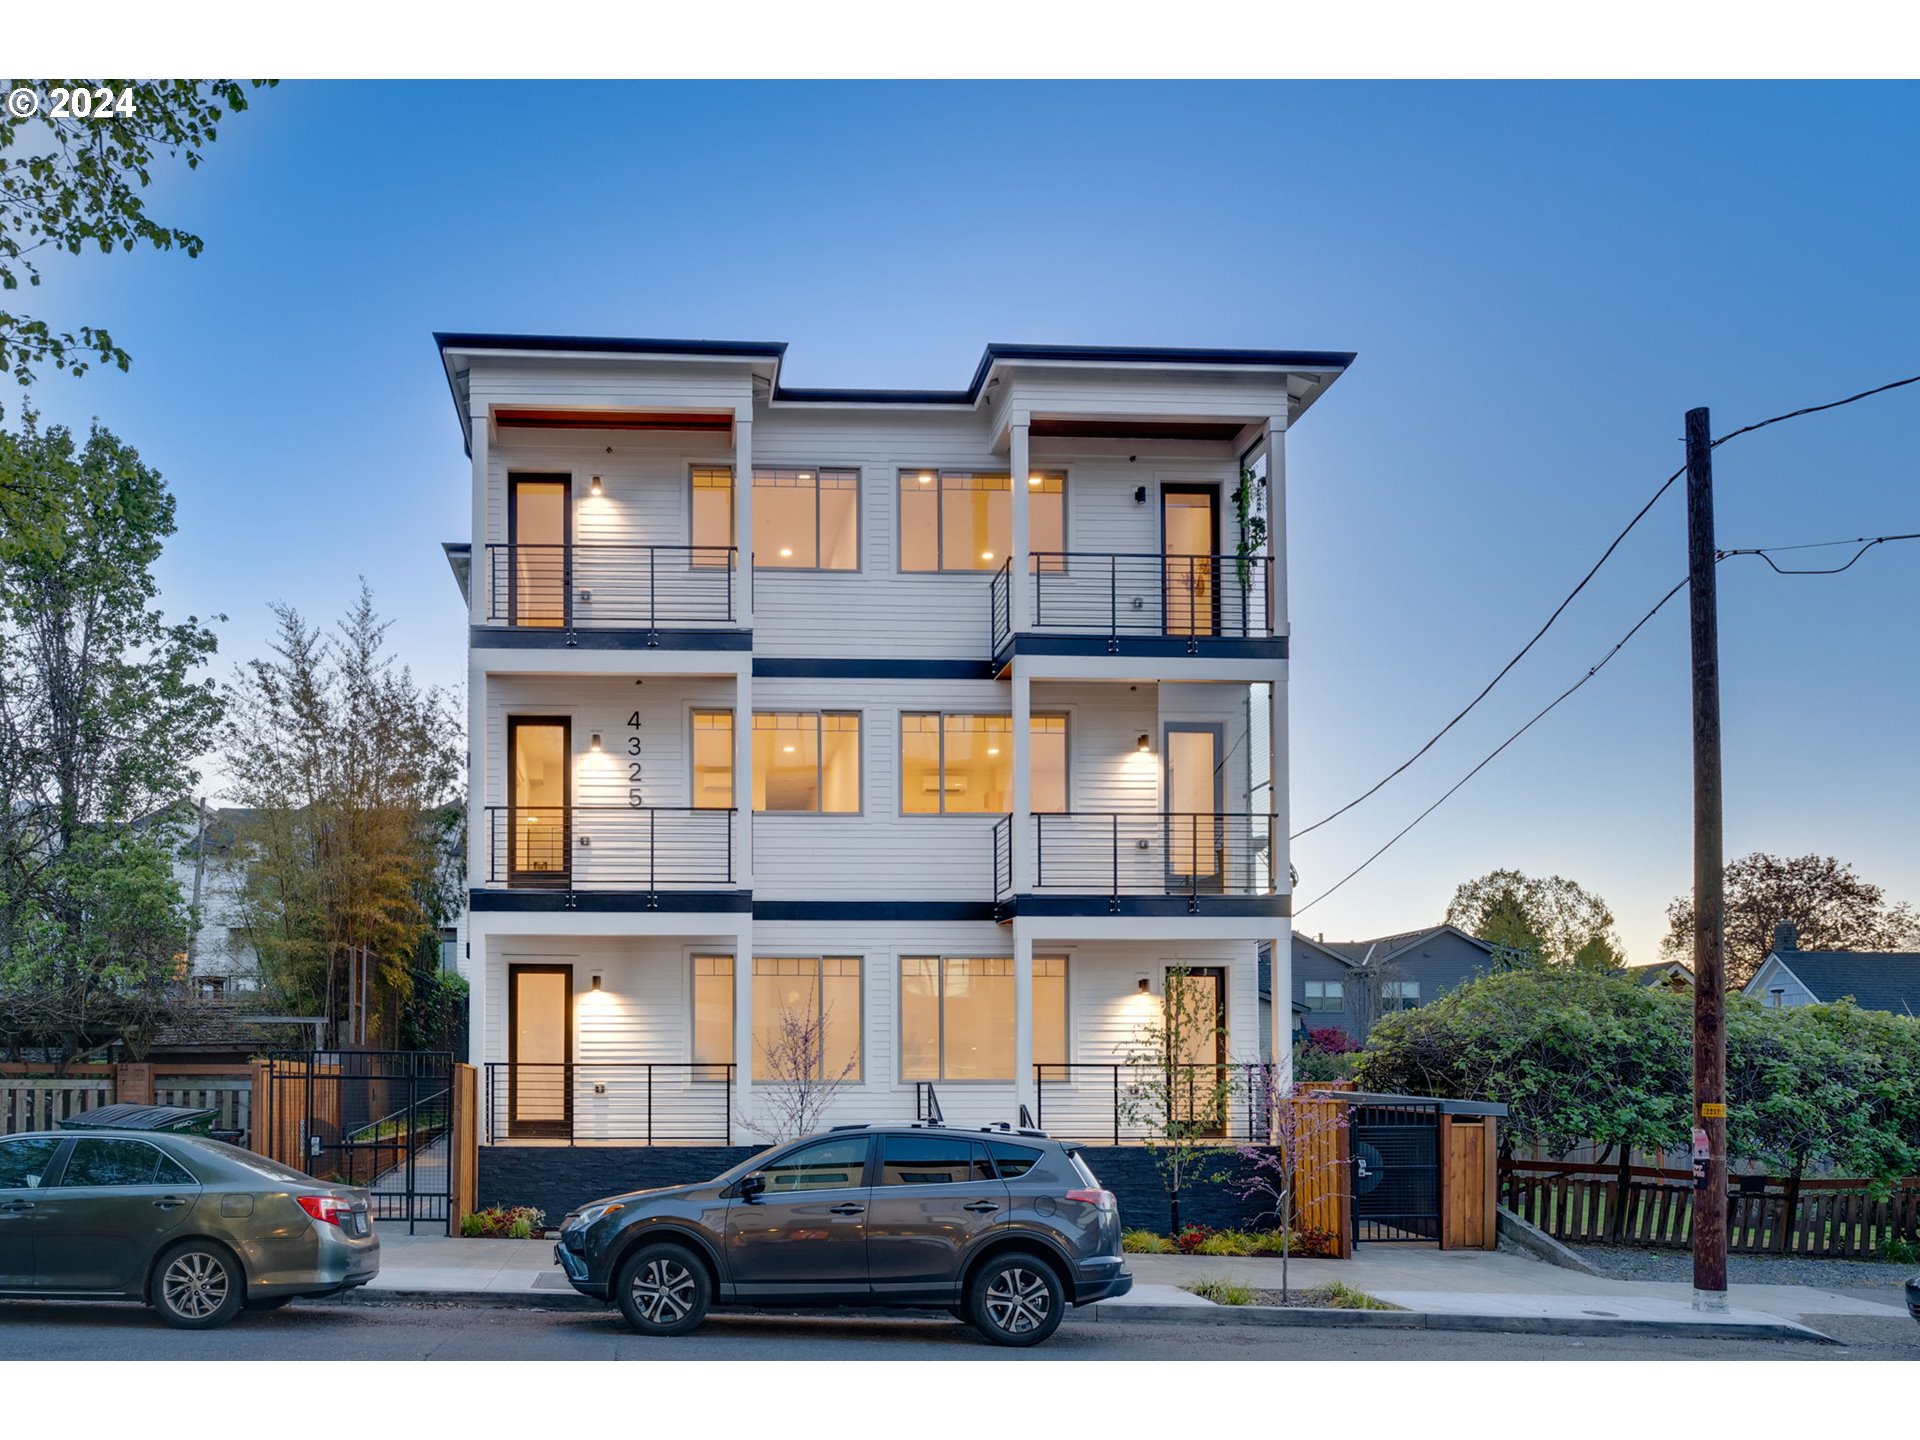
(1564, 694)
(1559, 609)
(1865, 543)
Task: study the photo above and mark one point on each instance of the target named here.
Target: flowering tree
(1303, 1129)
(1180, 1107)
(799, 1083)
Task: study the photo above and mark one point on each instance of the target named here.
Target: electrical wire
(1605, 555)
(1865, 543)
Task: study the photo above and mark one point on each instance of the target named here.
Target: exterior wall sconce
(595, 744)
(1139, 494)
(1145, 989)
(595, 489)
(1146, 744)
(596, 984)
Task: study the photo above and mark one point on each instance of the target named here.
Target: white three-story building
(947, 721)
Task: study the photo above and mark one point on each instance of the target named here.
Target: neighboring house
(1872, 979)
(219, 961)
(945, 719)
(1670, 974)
(1421, 965)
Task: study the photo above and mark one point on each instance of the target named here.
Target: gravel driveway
(1623, 1263)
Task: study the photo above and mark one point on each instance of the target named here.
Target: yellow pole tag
(1713, 1111)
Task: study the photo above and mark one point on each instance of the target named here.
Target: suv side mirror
(751, 1186)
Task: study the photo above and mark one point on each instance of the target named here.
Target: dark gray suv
(1005, 1228)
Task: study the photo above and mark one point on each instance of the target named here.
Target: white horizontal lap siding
(879, 854)
(1159, 393)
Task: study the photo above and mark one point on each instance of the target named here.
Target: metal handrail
(1119, 852)
(1116, 593)
(1003, 857)
(609, 847)
(589, 585)
(1100, 1100)
(676, 1102)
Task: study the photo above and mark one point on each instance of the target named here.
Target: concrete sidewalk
(1455, 1289)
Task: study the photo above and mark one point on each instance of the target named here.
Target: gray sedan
(195, 1228)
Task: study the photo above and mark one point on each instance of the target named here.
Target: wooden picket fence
(1582, 1203)
(41, 1102)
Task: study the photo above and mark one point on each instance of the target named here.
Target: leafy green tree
(1830, 906)
(1553, 920)
(75, 184)
(350, 772)
(1178, 1105)
(100, 712)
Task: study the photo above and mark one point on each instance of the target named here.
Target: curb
(1266, 1315)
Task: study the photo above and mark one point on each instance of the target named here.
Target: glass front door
(538, 817)
(1189, 539)
(1196, 1004)
(540, 1047)
(538, 553)
(1196, 831)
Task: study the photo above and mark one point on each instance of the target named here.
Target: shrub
(1221, 1292)
(1314, 1242)
(1896, 1251)
(1230, 1242)
(1330, 1040)
(1344, 1297)
(1191, 1238)
(502, 1222)
(1145, 1242)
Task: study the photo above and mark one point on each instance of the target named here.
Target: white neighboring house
(981, 731)
(1872, 979)
(221, 962)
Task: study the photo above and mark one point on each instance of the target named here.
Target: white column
(1020, 850)
(742, 1026)
(1281, 1019)
(477, 1006)
(1023, 1087)
(1020, 586)
(1277, 519)
(743, 776)
(480, 561)
(479, 827)
(743, 513)
(1280, 792)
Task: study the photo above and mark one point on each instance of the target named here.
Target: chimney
(1785, 937)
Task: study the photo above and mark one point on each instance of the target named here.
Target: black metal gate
(378, 1119)
(1396, 1172)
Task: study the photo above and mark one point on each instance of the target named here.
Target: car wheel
(1016, 1300)
(197, 1286)
(272, 1302)
(663, 1290)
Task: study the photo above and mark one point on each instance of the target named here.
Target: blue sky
(1539, 281)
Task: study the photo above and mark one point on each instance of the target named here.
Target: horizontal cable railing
(609, 847)
(1000, 607)
(609, 586)
(1179, 595)
(1128, 1104)
(1003, 857)
(652, 1103)
(1143, 853)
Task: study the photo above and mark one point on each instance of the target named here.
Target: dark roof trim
(606, 344)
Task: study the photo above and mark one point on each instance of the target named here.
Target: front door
(24, 1164)
(1196, 1030)
(539, 814)
(1196, 830)
(1189, 547)
(936, 1196)
(540, 1049)
(539, 554)
(100, 1228)
(806, 1232)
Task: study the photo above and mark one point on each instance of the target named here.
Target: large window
(1047, 774)
(1399, 994)
(713, 759)
(956, 1016)
(963, 519)
(803, 519)
(806, 760)
(806, 1017)
(956, 764)
(712, 1009)
(1324, 995)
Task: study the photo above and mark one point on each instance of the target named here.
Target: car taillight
(1099, 1199)
(327, 1209)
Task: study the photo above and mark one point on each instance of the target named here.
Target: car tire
(272, 1302)
(1016, 1300)
(663, 1289)
(197, 1285)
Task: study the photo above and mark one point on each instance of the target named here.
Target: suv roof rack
(1001, 1127)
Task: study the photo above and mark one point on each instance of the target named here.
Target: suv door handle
(981, 1207)
(168, 1202)
(846, 1210)
(16, 1207)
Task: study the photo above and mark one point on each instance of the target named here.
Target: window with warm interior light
(956, 764)
(806, 519)
(806, 760)
(1047, 768)
(806, 1017)
(713, 759)
(712, 1009)
(956, 1016)
(711, 518)
(963, 519)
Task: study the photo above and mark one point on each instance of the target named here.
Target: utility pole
(1709, 888)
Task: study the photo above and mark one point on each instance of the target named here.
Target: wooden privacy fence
(39, 1103)
(1581, 1202)
(42, 1102)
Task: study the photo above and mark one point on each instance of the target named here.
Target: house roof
(1387, 947)
(1875, 979)
(1659, 973)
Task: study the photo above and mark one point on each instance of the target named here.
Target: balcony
(1169, 601)
(1118, 854)
(649, 851)
(1129, 1104)
(628, 1103)
(566, 588)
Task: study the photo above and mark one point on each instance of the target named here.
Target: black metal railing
(582, 587)
(1146, 853)
(1000, 607)
(609, 847)
(1185, 596)
(1129, 1104)
(653, 1103)
(1003, 857)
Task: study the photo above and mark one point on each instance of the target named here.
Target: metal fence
(1122, 1104)
(1117, 595)
(637, 1102)
(1147, 853)
(610, 586)
(609, 847)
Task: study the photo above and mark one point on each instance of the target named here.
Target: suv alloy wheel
(1016, 1300)
(664, 1290)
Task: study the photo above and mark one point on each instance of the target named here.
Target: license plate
(358, 1225)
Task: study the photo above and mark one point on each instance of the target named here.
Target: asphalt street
(35, 1330)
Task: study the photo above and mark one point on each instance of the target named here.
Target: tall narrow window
(960, 520)
(806, 519)
(806, 760)
(712, 1009)
(956, 764)
(713, 759)
(1047, 774)
(1049, 1009)
(806, 1017)
(712, 515)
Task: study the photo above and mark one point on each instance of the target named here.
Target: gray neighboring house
(1874, 979)
(1669, 974)
(1423, 965)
